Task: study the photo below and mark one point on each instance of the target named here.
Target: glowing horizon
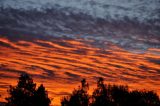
(61, 64)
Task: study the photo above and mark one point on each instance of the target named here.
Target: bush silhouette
(26, 94)
(79, 97)
(143, 98)
(119, 95)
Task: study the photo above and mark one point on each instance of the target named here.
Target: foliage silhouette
(101, 95)
(119, 95)
(110, 95)
(26, 94)
(41, 97)
(143, 98)
(79, 97)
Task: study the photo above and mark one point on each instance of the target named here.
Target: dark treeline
(110, 95)
(25, 93)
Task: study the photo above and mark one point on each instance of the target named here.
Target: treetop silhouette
(110, 95)
(26, 94)
(79, 97)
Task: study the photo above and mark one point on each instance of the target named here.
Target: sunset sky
(58, 45)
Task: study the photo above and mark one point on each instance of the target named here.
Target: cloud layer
(61, 63)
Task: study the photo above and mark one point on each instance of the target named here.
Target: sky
(60, 42)
(61, 64)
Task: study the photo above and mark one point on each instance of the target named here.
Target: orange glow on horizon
(60, 66)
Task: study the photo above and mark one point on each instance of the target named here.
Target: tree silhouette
(143, 98)
(79, 97)
(119, 95)
(41, 97)
(100, 95)
(25, 93)
(21, 95)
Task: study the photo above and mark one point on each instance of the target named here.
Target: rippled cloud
(61, 63)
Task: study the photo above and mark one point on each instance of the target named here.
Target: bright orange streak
(60, 65)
